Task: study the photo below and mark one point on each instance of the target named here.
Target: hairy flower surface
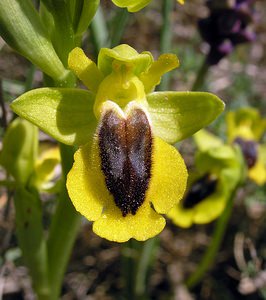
(125, 174)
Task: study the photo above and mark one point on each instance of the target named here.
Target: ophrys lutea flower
(125, 173)
(246, 127)
(218, 172)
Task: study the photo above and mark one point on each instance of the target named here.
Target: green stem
(145, 261)
(99, 31)
(214, 246)
(129, 254)
(30, 78)
(166, 39)
(31, 239)
(3, 107)
(62, 32)
(63, 230)
(119, 25)
(201, 75)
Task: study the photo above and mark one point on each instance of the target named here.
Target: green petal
(177, 115)
(65, 114)
(225, 159)
(165, 63)
(45, 166)
(85, 69)
(124, 54)
(132, 5)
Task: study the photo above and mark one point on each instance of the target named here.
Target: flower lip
(200, 189)
(249, 149)
(125, 148)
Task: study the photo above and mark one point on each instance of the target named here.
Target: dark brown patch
(249, 149)
(200, 189)
(125, 150)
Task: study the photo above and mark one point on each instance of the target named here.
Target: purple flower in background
(227, 26)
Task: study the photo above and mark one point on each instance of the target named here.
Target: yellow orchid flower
(125, 174)
(210, 188)
(222, 167)
(245, 127)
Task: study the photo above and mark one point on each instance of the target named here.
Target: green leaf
(22, 29)
(19, 151)
(65, 114)
(83, 14)
(177, 115)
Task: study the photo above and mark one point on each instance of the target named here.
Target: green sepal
(22, 28)
(132, 5)
(216, 158)
(20, 146)
(226, 159)
(177, 115)
(45, 167)
(205, 140)
(124, 54)
(65, 114)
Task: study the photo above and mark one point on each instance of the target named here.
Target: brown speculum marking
(199, 190)
(249, 149)
(125, 146)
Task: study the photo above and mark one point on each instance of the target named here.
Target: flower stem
(99, 31)
(3, 107)
(129, 254)
(149, 248)
(63, 230)
(119, 26)
(166, 39)
(31, 239)
(201, 75)
(214, 246)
